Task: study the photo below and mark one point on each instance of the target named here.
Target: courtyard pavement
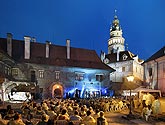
(121, 118)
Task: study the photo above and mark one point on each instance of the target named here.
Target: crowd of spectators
(62, 111)
(67, 111)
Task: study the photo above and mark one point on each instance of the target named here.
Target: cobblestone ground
(120, 118)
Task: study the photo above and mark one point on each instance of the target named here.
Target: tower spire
(116, 41)
(115, 12)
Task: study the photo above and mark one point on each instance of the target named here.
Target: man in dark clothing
(102, 120)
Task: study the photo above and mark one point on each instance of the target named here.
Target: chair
(61, 122)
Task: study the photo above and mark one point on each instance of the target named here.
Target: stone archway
(57, 91)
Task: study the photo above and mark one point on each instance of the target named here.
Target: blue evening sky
(86, 22)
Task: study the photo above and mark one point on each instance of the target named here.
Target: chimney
(68, 48)
(9, 44)
(27, 47)
(47, 48)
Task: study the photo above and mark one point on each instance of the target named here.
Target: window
(99, 77)
(57, 75)
(15, 71)
(150, 71)
(33, 76)
(7, 70)
(79, 76)
(123, 69)
(125, 57)
(41, 74)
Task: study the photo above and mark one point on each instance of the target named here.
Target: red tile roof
(113, 57)
(79, 57)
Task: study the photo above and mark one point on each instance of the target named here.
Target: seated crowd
(62, 112)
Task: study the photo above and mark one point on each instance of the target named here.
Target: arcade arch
(57, 90)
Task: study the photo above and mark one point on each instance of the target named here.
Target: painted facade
(48, 71)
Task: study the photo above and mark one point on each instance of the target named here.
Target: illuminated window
(15, 71)
(41, 74)
(57, 75)
(79, 76)
(99, 77)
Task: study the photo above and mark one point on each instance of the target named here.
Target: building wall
(154, 74)
(124, 69)
(67, 78)
(138, 70)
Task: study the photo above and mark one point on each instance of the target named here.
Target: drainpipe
(157, 73)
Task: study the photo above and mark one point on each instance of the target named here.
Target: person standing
(102, 120)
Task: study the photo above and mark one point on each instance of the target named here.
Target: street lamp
(130, 79)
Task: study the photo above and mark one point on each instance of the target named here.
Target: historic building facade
(123, 61)
(154, 71)
(47, 70)
(5, 73)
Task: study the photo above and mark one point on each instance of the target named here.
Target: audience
(49, 111)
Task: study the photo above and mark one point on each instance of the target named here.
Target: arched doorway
(57, 91)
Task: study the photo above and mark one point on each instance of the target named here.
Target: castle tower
(116, 41)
